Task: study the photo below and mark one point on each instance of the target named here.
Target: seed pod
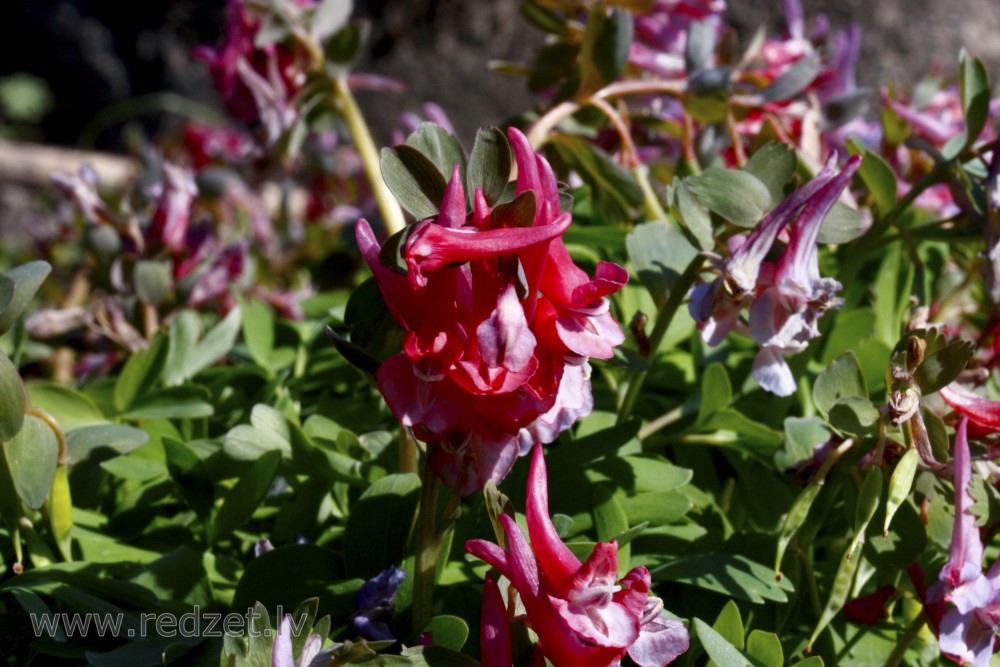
(838, 594)
(868, 499)
(900, 484)
(793, 521)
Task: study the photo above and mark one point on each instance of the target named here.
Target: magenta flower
(968, 631)
(499, 325)
(982, 412)
(312, 653)
(494, 629)
(580, 612)
(661, 33)
(173, 208)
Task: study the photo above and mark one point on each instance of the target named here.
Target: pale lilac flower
(717, 306)
(784, 315)
(968, 631)
(661, 33)
(311, 655)
(276, 109)
(81, 189)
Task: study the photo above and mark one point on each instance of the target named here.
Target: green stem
(392, 214)
(903, 643)
(663, 319)
(428, 549)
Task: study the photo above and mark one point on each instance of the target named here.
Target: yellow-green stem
(663, 319)
(392, 214)
(428, 549)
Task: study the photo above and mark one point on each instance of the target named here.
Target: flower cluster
(581, 613)
(967, 630)
(499, 326)
(786, 297)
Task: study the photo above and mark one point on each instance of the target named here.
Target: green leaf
(794, 80)
(773, 164)
(242, 500)
(729, 625)
(854, 415)
(655, 508)
(328, 17)
(730, 574)
(659, 253)
(61, 512)
(377, 529)
(13, 399)
(440, 147)
(32, 456)
(102, 441)
(519, 212)
(426, 656)
(289, 574)
(6, 292)
(190, 353)
(718, 649)
(611, 521)
(449, 632)
(258, 330)
(877, 176)
(27, 279)
(842, 378)
(693, 215)
(841, 225)
(738, 196)
(611, 48)
(186, 401)
(268, 431)
(811, 661)
(940, 368)
(974, 88)
(153, 281)
(489, 164)
(605, 176)
(764, 649)
(413, 179)
(140, 374)
(716, 392)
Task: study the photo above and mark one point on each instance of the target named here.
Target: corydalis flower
(374, 602)
(967, 632)
(311, 655)
(499, 323)
(581, 613)
(785, 299)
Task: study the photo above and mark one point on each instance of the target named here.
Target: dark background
(94, 53)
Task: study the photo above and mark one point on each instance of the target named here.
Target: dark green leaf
(377, 530)
(186, 401)
(612, 46)
(13, 399)
(32, 456)
(943, 366)
(841, 225)
(242, 500)
(738, 196)
(413, 179)
(660, 253)
(773, 164)
(489, 164)
(693, 215)
(102, 441)
(764, 649)
(877, 176)
(716, 391)
(448, 632)
(440, 147)
(854, 415)
(842, 378)
(258, 330)
(140, 374)
(794, 80)
(27, 279)
(730, 574)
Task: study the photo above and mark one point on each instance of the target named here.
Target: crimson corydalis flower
(499, 324)
(581, 612)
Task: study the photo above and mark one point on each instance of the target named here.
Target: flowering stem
(428, 550)
(407, 451)
(663, 319)
(392, 214)
(903, 643)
